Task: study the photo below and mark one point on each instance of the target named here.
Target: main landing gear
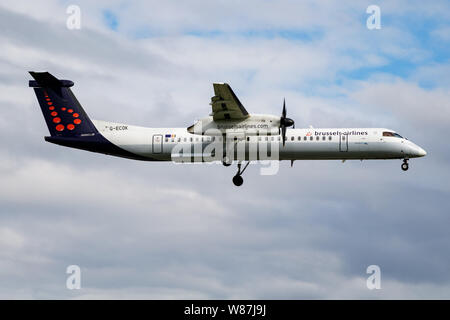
(405, 165)
(237, 179)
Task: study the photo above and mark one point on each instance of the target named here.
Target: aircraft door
(343, 142)
(157, 143)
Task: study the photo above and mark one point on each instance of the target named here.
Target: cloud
(442, 34)
(158, 230)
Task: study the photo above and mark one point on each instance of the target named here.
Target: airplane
(237, 135)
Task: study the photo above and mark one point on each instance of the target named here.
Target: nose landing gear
(237, 179)
(405, 165)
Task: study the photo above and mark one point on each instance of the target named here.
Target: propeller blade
(283, 132)
(283, 114)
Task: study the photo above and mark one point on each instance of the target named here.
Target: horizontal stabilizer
(45, 79)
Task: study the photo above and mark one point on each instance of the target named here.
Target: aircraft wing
(225, 104)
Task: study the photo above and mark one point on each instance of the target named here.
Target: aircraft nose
(420, 152)
(417, 151)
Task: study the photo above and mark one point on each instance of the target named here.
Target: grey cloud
(158, 230)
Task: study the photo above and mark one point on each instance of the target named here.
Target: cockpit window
(391, 134)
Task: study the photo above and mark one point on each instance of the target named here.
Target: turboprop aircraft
(229, 134)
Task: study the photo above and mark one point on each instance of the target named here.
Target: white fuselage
(158, 144)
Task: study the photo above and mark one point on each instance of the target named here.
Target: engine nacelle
(253, 125)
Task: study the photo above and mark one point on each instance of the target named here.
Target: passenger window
(292, 138)
(329, 138)
(248, 138)
(167, 140)
(299, 138)
(259, 138)
(304, 138)
(317, 138)
(191, 139)
(267, 138)
(343, 138)
(311, 138)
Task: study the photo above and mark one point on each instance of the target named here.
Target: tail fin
(62, 112)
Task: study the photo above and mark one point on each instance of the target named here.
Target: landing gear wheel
(237, 180)
(405, 165)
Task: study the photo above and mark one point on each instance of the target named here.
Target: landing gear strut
(405, 165)
(237, 179)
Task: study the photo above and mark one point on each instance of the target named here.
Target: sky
(145, 230)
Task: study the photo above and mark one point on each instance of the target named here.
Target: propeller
(285, 122)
